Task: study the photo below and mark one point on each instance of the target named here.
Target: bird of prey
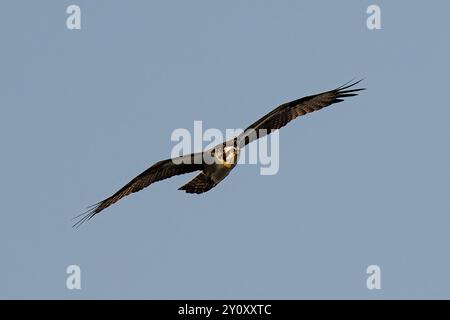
(216, 163)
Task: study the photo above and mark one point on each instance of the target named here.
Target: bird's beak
(227, 165)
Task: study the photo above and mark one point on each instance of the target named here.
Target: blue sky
(363, 182)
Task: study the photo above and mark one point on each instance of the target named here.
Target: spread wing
(159, 171)
(287, 112)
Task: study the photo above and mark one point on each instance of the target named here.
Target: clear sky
(365, 182)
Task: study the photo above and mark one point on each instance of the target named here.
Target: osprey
(216, 163)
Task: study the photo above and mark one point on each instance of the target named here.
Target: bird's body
(224, 159)
(216, 164)
(219, 171)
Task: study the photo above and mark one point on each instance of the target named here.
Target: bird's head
(228, 156)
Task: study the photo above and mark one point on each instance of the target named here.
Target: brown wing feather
(287, 112)
(159, 171)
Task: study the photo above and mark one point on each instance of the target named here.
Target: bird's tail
(201, 183)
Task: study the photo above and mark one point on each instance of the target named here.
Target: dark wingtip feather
(346, 90)
(344, 95)
(87, 215)
(349, 84)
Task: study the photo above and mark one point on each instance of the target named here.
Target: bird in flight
(216, 163)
